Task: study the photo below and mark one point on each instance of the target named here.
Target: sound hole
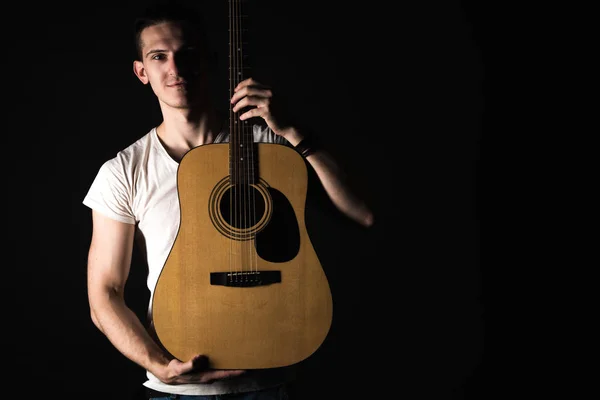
(242, 206)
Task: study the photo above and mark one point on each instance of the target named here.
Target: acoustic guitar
(242, 283)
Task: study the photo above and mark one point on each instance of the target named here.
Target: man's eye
(158, 57)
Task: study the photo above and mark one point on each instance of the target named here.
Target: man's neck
(180, 132)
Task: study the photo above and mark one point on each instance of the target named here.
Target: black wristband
(306, 146)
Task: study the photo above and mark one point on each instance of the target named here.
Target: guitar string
(254, 180)
(243, 159)
(249, 157)
(236, 143)
(242, 173)
(242, 183)
(232, 147)
(240, 125)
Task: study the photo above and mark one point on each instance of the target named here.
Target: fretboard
(242, 152)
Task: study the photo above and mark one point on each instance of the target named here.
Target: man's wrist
(307, 145)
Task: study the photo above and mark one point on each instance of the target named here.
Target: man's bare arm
(109, 262)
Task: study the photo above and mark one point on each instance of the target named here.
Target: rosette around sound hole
(240, 211)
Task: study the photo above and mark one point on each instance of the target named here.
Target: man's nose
(180, 64)
(173, 67)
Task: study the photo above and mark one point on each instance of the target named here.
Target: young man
(134, 196)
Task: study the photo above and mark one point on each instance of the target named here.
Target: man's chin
(181, 104)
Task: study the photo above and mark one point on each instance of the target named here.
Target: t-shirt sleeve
(110, 193)
(265, 134)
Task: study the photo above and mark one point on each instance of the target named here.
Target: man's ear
(140, 71)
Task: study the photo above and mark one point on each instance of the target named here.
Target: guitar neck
(242, 157)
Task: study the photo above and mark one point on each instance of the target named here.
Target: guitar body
(249, 292)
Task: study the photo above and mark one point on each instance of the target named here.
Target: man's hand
(195, 371)
(255, 100)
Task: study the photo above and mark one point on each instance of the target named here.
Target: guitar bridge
(245, 278)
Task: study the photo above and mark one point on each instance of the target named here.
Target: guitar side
(263, 325)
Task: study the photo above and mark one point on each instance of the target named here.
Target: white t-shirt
(139, 186)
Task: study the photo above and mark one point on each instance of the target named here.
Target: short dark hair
(190, 19)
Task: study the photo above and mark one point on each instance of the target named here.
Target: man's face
(173, 66)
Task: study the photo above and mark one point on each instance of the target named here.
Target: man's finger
(221, 374)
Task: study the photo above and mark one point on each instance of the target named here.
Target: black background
(395, 91)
